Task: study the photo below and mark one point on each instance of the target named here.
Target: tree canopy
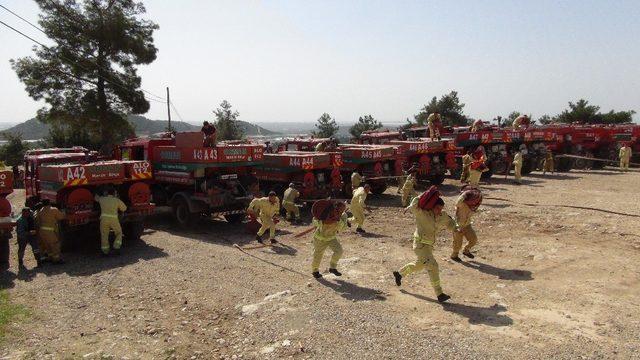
(365, 123)
(326, 126)
(450, 109)
(226, 122)
(89, 78)
(12, 152)
(582, 112)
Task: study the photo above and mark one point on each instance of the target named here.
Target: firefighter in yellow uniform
(266, 208)
(625, 157)
(356, 180)
(466, 205)
(466, 164)
(357, 206)
(110, 206)
(289, 203)
(48, 231)
(521, 122)
(434, 123)
(547, 164)
(408, 191)
(428, 224)
(517, 167)
(325, 237)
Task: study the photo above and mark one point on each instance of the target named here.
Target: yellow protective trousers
(624, 164)
(267, 224)
(291, 209)
(108, 223)
(474, 177)
(547, 165)
(407, 196)
(358, 215)
(465, 232)
(425, 259)
(319, 247)
(464, 177)
(49, 242)
(518, 172)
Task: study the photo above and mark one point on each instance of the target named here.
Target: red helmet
(328, 211)
(429, 198)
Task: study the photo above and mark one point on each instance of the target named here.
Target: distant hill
(35, 130)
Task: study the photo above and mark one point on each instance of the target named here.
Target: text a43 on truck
(71, 177)
(432, 158)
(374, 162)
(198, 181)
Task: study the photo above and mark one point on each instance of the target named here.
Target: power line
(162, 100)
(177, 112)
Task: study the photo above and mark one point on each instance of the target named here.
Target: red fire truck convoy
(198, 181)
(372, 161)
(314, 173)
(71, 177)
(432, 157)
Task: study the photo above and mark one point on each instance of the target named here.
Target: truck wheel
(133, 231)
(378, 189)
(487, 174)
(235, 218)
(527, 166)
(181, 213)
(436, 179)
(564, 164)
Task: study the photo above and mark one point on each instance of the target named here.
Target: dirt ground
(557, 274)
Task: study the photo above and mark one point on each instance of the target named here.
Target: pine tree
(227, 127)
(326, 126)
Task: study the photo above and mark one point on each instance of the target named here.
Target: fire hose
(592, 159)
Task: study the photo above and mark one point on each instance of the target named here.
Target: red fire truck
(71, 177)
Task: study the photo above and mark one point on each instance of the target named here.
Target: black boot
(456, 258)
(116, 252)
(468, 254)
(360, 230)
(443, 297)
(274, 241)
(335, 272)
(398, 278)
(316, 274)
(259, 239)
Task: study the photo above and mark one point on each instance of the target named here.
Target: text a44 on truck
(71, 177)
(432, 158)
(197, 181)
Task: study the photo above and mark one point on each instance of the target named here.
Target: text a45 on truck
(197, 181)
(71, 177)
(432, 158)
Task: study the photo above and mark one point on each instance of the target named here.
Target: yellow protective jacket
(625, 153)
(463, 212)
(466, 161)
(327, 232)
(290, 196)
(359, 196)
(356, 179)
(110, 205)
(263, 207)
(409, 184)
(431, 119)
(428, 225)
(517, 159)
(47, 219)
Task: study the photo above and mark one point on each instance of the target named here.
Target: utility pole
(169, 110)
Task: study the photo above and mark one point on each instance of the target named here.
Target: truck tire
(133, 231)
(527, 166)
(563, 164)
(489, 173)
(182, 214)
(235, 218)
(378, 189)
(436, 179)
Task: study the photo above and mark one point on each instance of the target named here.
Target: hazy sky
(293, 60)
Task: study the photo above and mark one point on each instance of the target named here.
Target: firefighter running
(356, 180)
(466, 165)
(466, 205)
(357, 206)
(48, 232)
(430, 220)
(477, 166)
(266, 209)
(517, 167)
(289, 203)
(110, 205)
(408, 191)
(625, 156)
(329, 218)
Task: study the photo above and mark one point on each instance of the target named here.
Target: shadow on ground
(353, 292)
(504, 274)
(476, 315)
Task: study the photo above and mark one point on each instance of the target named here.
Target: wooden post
(168, 111)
